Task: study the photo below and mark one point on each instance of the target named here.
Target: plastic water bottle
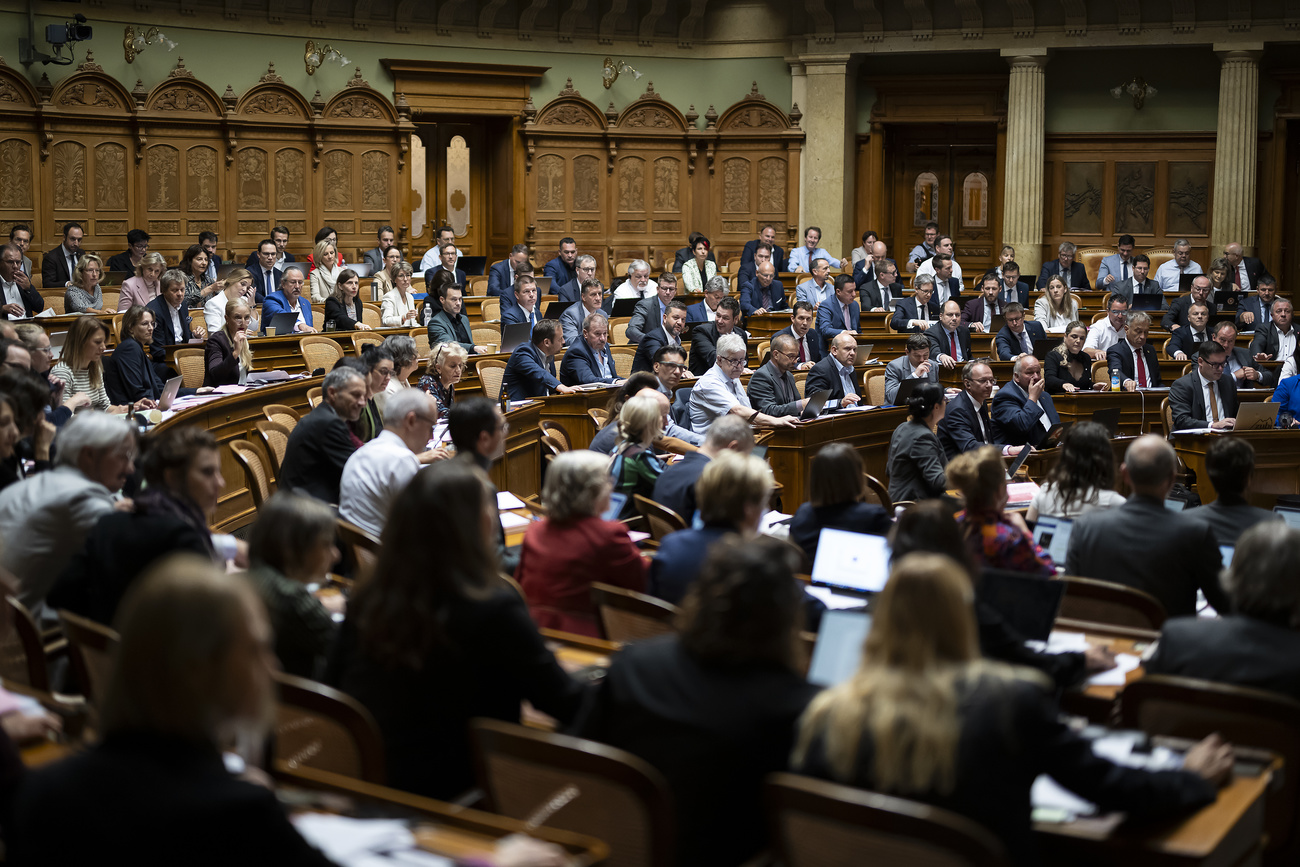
(1114, 380)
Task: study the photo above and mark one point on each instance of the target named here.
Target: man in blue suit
(524, 304)
(589, 359)
(288, 300)
(1117, 267)
(764, 252)
(1076, 276)
(501, 276)
(764, 293)
(707, 310)
(841, 313)
(530, 372)
(571, 292)
(1023, 408)
(1017, 337)
(447, 262)
(266, 278)
(766, 235)
(966, 424)
(171, 299)
(563, 269)
(1013, 289)
(575, 314)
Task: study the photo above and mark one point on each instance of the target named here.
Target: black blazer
(675, 487)
(959, 430)
(826, 374)
(1120, 357)
(1229, 518)
(1177, 312)
(1187, 401)
(704, 347)
(121, 262)
(1056, 371)
(938, 337)
(162, 322)
(317, 450)
(747, 256)
(650, 344)
(1234, 649)
(1182, 341)
(869, 297)
(1019, 419)
(129, 374)
(645, 318)
(1078, 275)
(339, 314)
(809, 521)
(814, 353)
(1008, 342)
(220, 363)
(259, 282)
(580, 365)
(766, 396)
(1267, 340)
(905, 310)
(54, 268)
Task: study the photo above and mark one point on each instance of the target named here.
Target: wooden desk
(282, 351)
(1139, 411)
(1277, 461)
(790, 452)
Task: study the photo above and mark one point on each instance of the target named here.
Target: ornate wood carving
(550, 183)
(668, 174)
(290, 180)
(90, 89)
(772, 180)
(201, 178)
(69, 167)
(163, 178)
(651, 112)
(631, 184)
(110, 177)
(15, 174)
(586, 183)
(338, 180)
(250, 183)
(375, 176)
(735, 185)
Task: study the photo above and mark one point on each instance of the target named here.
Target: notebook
(515, 335)
(1257, 415)
(169, 392)
(816, 403)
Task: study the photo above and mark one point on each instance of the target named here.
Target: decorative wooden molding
(89, 90)
(463, 88)
(15, 90)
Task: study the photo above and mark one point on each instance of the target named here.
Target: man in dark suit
(1205, 397)
(1244, 370)
(949, 339)
(1139, 283)
(1017, 337)
(914, 364)
(1186, 341)
(764, 293)
(447, 262)
(881, 292)
(524, 308)
(320, 443)
(650, 311)
(530, 372)
(1257, 310)
(841, 313)
(137, 243)
(675, 487)
(966, 423)
(1176, 316)
(266, 277)
(707, 310)
(979, 312)
(1012, 288)
(1277, 340)
(766, 235)
(374, 257)
(1076, 276)
(58, 264)
(762, 253)
(1244, 272)
(280, 237)
(1023, 409)
(669, 333)
(1144, 545)
(575, 314)
(704, 339)
(685, 252)
(918, 313)
(501, 276)
(563, 269)
(589, 359)
(947, 286)
(836, 372)
(450, 324)
(807, 347)
(1230, 464)
(571, 292)
(772, 388)
(1133, 357)
(20, 301)
(170, 310)
(208, 241)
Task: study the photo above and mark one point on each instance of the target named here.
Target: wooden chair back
(371, 315)
(90, 652)
(190, 365)
(1188, 708)
(314, 396)
(197, 319)
(627, 616)
(600, 417)
(286, 416)
(56, 301)
(624, 356)
(319, 353)
(763, 348)
(873, 382)
(260, 485)
(1164, 349)
(421, 338)
(360, 340)
(618, 330)
(487, 335)
(319, 727)
(117, 326)
(477, 285)
(1099, 371)
(1090, 258)
(492, 373)
(22, 649)
(1097, 317)
(1166, 417)
(814, 823)
(558, 433)
(362, 547)
(1158, 257)
(661, 519)
(621, 798)
(878, 493)
(275, 437)
(1114, 604)
(800, 378)
(492, 309)
(110, 299)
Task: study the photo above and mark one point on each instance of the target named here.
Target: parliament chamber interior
(720, 432)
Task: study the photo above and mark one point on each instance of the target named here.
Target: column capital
(824, 64)
(1228, 51)
(1025, 58)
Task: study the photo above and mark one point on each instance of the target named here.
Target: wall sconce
(1137, 88)
(610, 71)
(314, 56)
(134, 41)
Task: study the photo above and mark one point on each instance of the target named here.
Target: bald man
(1243, 271)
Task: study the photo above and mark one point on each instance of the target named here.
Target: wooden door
(456, 165)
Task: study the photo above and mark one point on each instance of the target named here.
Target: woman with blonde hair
(227, 355)
(325, 271)
(926, 718)
(397, 306)
(82, 366)
(635, 468)
(83, 294)
(1067, 367)
(238, 284)
(1056, 309)
(145, 285)
(994, 536)
(445, 368)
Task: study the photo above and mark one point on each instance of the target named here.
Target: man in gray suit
(650, 312)
(1144, 545)
(916, 364)
(374, 257)
(772, 388)
(1137, 284)
(575, 314)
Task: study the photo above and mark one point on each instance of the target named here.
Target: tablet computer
(838, 650)
(1053, 536)
(1028, 603)
(856, 562)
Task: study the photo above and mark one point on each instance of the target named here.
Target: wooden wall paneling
(1279, 186)
(21, 146)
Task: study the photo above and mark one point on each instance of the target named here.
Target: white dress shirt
(1286, 343)
(13, 296)
(1102, 336)
(927, 267)
(627, 290)
(713, 395)
(1242, 275)
(176, 320)
(373, 477)
(1168, 273)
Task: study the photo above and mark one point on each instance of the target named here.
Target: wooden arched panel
(358, 101)
(180, 93)
(89, 91)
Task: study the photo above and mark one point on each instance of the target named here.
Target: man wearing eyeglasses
(772, 387)
(19, 302)
(719, 391)
(966, 423)
(1205, 398)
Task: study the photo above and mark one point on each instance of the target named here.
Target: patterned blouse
(193, 293)
(78, 382)
(997, 544)
(75, 299)
(445, 396)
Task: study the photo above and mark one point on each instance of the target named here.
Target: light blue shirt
(801, 259)
(714, 395)
(846, 376)
(808, 291)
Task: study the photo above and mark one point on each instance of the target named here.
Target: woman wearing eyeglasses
(446, 366)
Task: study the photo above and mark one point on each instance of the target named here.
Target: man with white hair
(1064, 266)
(379, 470)
(720, 391)
(637, 284)
(44, 519)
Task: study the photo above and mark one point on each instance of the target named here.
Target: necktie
(1198, 338)
(1236, 277)
(802, 357)
(1024, 341)
(984, 424)
(848, 326)
(952, 340)
(1214, 404)
(1124, 270)
(1141, 369)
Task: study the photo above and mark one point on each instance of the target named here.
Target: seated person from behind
(927, 718)
(837, 498)
(531, 370)
(1083, 477)
(1023, 409)
(574, 546)
(321, 443)
(719, 391)
(835, 373)
(675, 487)
(1143, 544)
(996, 538)
(1230, 464)
(916, 458)
(589, 360)
(1018, 335)
(1205, 398)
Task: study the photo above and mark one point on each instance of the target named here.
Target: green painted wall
(1079, 83)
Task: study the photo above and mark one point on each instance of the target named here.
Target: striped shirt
(78, 382)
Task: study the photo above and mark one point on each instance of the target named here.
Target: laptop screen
(1175, 505)
(851, 561)
(1053, 536)
(838, 650)
(1226, 552)
(1291, 516)
(1028, 603)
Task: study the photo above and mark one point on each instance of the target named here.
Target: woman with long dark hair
(1082, 479)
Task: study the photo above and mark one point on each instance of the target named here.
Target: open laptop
(1018, 462)
(624, 306)
(863, 354)
(1174, 504)
(1228, 300)
(543, 285)
(996, 323)
(1028, 603)
(616, 503)
(1257, 415)
(816, 403)
(856, 563)
(1148, 302)
(1108, 417)
(838, 650)
(473, 266)
(515, 335)
(1185, 282)
(1044, 346)
(1053, 536)
(1291, 516)
(283, 323)
(905, 389)
(361, 269)
(555, 308)
(169, 393)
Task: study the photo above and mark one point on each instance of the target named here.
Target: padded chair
(660, 519)
(873, 382)
(486, 335)
(600, 417)
(618, 330)
(814, 823)
(624, 356)
(362, 548)
(360, 340)
(197, 320)
(275, 437)
(319, 727)
(1091, 258)
(1115, 604)
(110, 299)
(1166, 418)
(117, 326)
(55, 301)
(477, 285)
(492, 309)
(421, 338)
(371, 315)
(1097, 317)
(90, 651)
(190, 365)
(1188, 708)
(260, 485)
(763, 347)
(1158, 257)
(492, 373)
(282, 415)
(319, 353)
(621, 799)
(314, 395)
(1099, 371)
(23, 653)
(557, 433)
(800, 379)
(878, 493)
(627, 616)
